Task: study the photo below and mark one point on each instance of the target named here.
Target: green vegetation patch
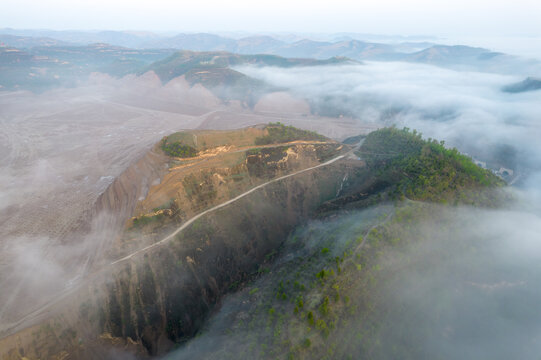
(296, 308)
(326, 152)
(326, 298)
(280, 133)
(176, 148)
(144, 220)
(422, 169)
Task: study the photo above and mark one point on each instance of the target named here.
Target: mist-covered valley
(469, 110)
(185, 198)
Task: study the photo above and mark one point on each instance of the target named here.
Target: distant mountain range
(455, 57)
(529, 84)
(141, 39)
(185, 61)
(56, 58)
(119, 38)
(44, 67)
(214, 70)
(26, 42)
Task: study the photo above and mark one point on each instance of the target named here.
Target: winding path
(189, 222)
(45, 310)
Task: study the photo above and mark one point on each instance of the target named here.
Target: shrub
(324, 307)
(177, 149)
(310, 317)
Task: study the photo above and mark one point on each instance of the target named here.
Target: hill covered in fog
(457, 56)
(227, 215)
(529, 84)
(192, 196)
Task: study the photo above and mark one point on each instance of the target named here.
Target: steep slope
(156, 289)
(325, 297)
(211, 167)
(304, 292)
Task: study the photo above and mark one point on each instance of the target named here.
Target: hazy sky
(429, 17)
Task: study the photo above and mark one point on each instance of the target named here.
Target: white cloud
(466, 109)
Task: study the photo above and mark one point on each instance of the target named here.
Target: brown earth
(148, 303)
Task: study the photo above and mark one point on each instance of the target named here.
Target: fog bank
(466, 109)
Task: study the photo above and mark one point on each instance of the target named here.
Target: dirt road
(45, 310)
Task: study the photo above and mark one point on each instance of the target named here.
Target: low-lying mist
(60, 150)
(460, 282)
(463, 285)
(466, 109)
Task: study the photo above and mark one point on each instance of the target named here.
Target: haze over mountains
(529, 84)
(206, 41)
(460, 57)
(267, 196)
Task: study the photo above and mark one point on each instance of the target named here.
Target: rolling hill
(458, 57)
(181, 62)
(215, 71)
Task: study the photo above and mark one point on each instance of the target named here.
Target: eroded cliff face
(132, 185)
(216, 175)
(164, 296)
(116, 204)
(161, 295)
